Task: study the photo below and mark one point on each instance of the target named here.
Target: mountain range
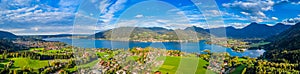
(285, 46)
(148, 33)
(253, 30)
(288, 39)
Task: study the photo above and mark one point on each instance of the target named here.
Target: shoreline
(244, 49)
(138, 40)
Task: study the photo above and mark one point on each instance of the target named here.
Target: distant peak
(254, 23)
(257, 24)
(280, 24)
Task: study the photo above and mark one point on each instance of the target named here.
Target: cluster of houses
(121, 63)
(48, 45)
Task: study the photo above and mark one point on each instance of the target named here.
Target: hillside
(285, 46)
(7, 44)
(253, 30)
(288, 39)
(4, 34)
(149, 33)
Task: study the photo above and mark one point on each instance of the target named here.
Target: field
(242, 59)
(47, 52)
(89, 65)
(171, 65)
(35, 64)
(259, 44)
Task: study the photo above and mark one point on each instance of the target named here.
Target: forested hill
(253, 30)
(148, 33)
(8, 45)
(4, 34)
(285, 47)
(288, 39)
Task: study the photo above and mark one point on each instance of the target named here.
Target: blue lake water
(197, 47)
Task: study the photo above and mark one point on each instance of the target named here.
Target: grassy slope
(171, 65)
(89, 65)
(259, 44)
(35, 64)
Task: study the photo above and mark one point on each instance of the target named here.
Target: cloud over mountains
(58, 16)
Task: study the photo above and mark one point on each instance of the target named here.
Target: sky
(44, 17)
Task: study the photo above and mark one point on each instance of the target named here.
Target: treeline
(54, 67)
(265, 67)
(38, 56)
(287, 56)
(8, 45)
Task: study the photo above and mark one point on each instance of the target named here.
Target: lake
(196, 47)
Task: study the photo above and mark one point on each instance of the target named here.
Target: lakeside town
(57, 57)
(149, 37)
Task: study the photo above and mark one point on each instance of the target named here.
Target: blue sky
(25, 17)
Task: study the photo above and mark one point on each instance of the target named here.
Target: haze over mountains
(254, 30)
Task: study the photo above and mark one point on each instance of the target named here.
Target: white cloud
(245, 13)
(255, 9)
(108, 9)
(274, 18)
(180, 12)
(12, 30)
(256, 19)
(238, 25)
(139, 16)
(162, 21)
(291, 21)
(29, 14)
(35, 28)
(296, 3)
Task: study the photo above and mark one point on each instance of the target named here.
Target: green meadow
(26, 62)
(171, 65)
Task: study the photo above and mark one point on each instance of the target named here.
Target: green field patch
(35, 64)
(167, 67)
(36, 49)
(241, 59)
(171, 65)
(89, 65)
(259, 44)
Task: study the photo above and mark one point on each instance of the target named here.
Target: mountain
(46, 36)
(253, 30)
(288, 39)
(285, 47)
(158, 30)
(4, 34)
(149, 33)
(197, 29)
(200, 31)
